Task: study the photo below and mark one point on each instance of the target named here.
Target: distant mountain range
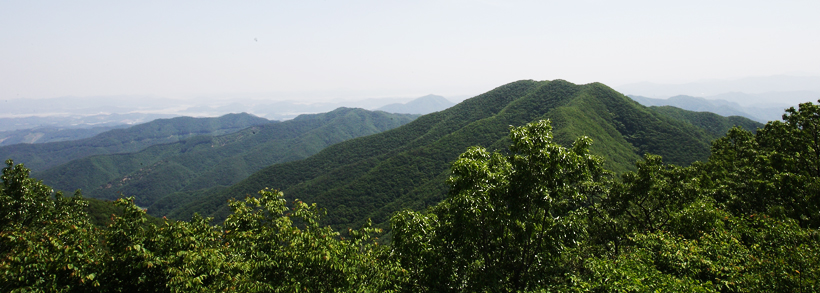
(759, 90)
(761, 98)
(423, 105)
(283, 110)
(720, 107)
(38, 157)
(33, 116)
(769, 99)
(376, 175)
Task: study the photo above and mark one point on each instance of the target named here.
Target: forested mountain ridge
(374, 176)
(171, 172)
(39, 157)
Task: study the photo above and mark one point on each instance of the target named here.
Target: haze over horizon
(323, 51)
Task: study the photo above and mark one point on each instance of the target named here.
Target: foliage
(48, 244)
(741, 222)
(659, 228)
(508, 219)
(276, 256)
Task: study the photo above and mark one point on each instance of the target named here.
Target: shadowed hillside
(164, 176)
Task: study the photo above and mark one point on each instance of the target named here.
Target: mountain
(761, 114)
(285, 109)
(423, 105)
(374, 176)
(768, 99)
(723, 108)
(39, 157)
(720, 107)
(165, 175)
(51, 134)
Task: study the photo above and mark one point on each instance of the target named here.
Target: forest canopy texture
(538, 217)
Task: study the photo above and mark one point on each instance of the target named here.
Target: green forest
(536, 215)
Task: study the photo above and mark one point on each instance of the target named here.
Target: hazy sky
(326, 49)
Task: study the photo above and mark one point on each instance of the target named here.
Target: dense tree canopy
(48, 244)
(508, 219)
(539, 217)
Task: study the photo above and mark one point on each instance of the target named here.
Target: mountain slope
(203, 162)
(39, 157)
(423, 105)
(374, 176)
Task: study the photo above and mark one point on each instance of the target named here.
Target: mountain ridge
(373, 176)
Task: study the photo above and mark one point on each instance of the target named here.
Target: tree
(48, 244)
(46, 240)
(644, 201)
(776, 171)
(273, 254)
(509, 219)
(745, 221)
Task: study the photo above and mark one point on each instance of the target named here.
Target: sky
(326, 50)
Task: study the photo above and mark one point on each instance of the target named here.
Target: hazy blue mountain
(287, 109)
(40, 157)
(770, 105)
(720, 107)
(423, 105)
